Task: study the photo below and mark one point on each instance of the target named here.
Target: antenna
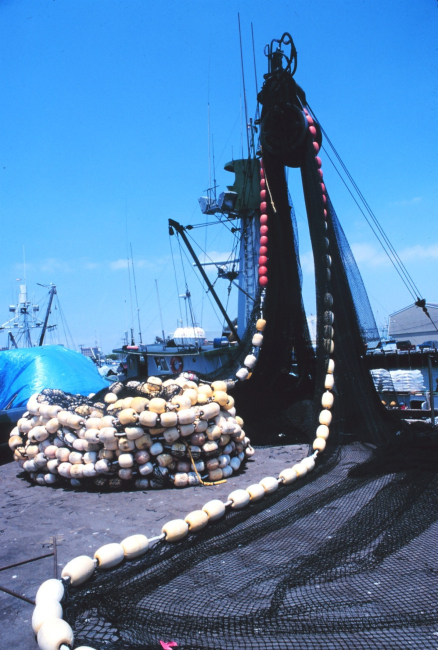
(24, 263)
(243, 81)
(214, 169)
(136, 297)
(161, 315)
(255, 73)
(127, 259)
(209, 156)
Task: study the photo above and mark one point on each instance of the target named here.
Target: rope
(413, 287)
(197, 473)
(270, 195)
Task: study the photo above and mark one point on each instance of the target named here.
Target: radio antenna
(243, 81)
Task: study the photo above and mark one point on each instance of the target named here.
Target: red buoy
(324, 199)
(263, 270)
(312, 130)
(325, 214)
(263, 206)
(318, 161)
(320, 172)
(323, 187)
(309, 118)
(264, 219)
(316, 147)
(263, 249)
(263, 280)
(263, 183)
(306, 112)
(263, 240)
(263, 260)
(263, 230)
(262, 172)
(263, 195)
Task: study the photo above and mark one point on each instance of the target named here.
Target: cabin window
(161, 363)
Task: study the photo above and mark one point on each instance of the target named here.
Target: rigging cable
(371, 226)
(176, 277)
(257, 114)
(243, 82)
(188, 297)
(403, 269)
(199, 280)
(136, 296)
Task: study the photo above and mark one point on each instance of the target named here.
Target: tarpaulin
(29, 370)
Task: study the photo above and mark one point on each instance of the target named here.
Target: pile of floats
(143, 435)
(202, 432)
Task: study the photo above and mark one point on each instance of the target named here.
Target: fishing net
(344, 558)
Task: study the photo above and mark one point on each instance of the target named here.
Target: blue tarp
(29, 370)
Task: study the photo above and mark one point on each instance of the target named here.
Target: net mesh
(343, 558)
(338, 562)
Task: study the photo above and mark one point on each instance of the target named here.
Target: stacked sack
(408, 381)
(382, 380)
(149, 434)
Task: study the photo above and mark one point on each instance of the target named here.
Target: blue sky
(104, 137)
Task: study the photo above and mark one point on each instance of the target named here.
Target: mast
(181, 231)
(46, 320)
(161, 315)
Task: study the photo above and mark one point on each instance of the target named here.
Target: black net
(343, 558)
(339, 562)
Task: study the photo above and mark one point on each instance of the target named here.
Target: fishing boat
(30, 363)
(327, 563)
(289, 132)
(187, 350)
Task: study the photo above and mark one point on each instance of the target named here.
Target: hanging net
(347, 556)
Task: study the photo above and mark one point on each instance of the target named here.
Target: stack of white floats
(214, 418)
(196, 436)
(47, 622)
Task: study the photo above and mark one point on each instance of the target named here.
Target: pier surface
(31, 515)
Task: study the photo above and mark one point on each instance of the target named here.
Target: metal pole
(33, 559)
(14, 593)
(55, 558)
(432, 405)
(161, 315)
(180, 230)
(46, 320)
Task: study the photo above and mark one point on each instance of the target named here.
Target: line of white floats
(53, 633)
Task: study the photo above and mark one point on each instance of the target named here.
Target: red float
(309, 118)
(323, 187)
(324, 199)
(318, 161)
(263, 183)
(262, 172)
(263, 260)
(263, 270)
(306, 112)
(316, 147)
(264, 219)
(264, 230)
(263, 240)
(263, 250)
(320, 173)
(263, 206)
(325, 214)
(263, 195)
(263, 280)
(312, 130)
